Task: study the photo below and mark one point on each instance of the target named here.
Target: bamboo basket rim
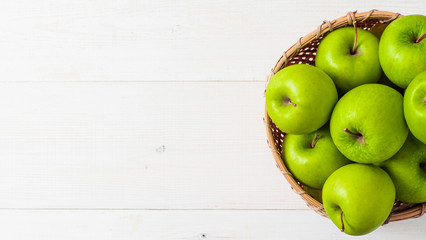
(325, 27)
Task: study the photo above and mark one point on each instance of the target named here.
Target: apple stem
(287, 101)
(353, 134)
(423, 165)
(314, 141)
(424, 101)
(356, 38)
(420, 38)
(341, 221)
(359, 136)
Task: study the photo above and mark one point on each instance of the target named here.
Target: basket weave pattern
(303, 52)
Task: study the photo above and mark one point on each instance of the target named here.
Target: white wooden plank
(220, 224)
(163, 40)
(137, 145)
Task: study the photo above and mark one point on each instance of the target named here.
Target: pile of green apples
(355, 122)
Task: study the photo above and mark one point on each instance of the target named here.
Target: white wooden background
(135, 119)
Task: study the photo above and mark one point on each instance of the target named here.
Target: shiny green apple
(349, 67)
(367, 125)
(415, 107)
(300, 98)
(408, 171)
(313, 157)
(358, 198)
(402, 49)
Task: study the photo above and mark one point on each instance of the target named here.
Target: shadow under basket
(303, 52)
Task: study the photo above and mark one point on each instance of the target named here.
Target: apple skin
(349, 70)
(312, 166)
(376, 112)
(365, 194)
(400, 57)
(415, 106)
(408, 171)
(310, 89)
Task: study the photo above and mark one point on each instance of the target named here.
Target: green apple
(311, 158)
(367, 125)
(415, 107)
(358, 198)
(408, 171)
(349, 67)
(402, 49)
(300, 98)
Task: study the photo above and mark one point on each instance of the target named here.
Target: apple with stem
(367, 124)
(358, 198)
(311, 158)
(349, 56)
(415, 107)
(300, 99)
(402, 49)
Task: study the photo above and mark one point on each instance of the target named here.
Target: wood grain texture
(137, 145)
(113, 108)
(164, 40)
(201, 225)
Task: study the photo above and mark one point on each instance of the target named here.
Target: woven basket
(303, 52)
